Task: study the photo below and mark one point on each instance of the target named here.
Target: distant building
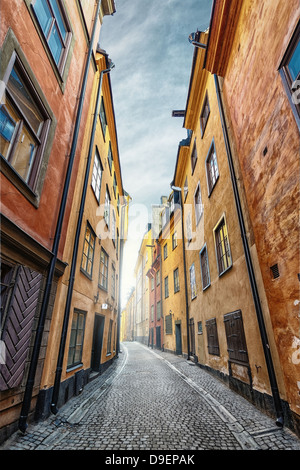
(142, 266)
(173, 285)
(155, 301)
(128, 318)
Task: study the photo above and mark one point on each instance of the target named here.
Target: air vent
(275, 271)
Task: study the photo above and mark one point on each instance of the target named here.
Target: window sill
(226, 270)
(72, 368)
(86, 274)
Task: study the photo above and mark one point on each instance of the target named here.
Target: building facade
(254, 51)
(44, 99)
(223, 328)
(89, 294)
(155, 302)
(173, 285)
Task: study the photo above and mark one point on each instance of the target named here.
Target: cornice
(223, 23)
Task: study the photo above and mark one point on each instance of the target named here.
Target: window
(193, 281)
(115, 184)
(103, 121)
(194, 157)
(76, 338)
(204, 268)
(113, 282)
(55, 27)
(222, 247)
(117, 245)
(158, 278)
(174, 240)
(109, 337)
(109, 157)
(198, 204)
(158, 310)
(200, 331)
(204, 114)
(97, 175)
(88, 251)
(152, 312)
(165, 251)
(235, 335)
(24, 125)
(168, 329)
(189, 234)
(172, 203)
(176, 280)
(107, 208)
(212, 337)
(290, 72)
(113, 226)
(185, 188)
(212, 171)
(166, 287)
(103, 273)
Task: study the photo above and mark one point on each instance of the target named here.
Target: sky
(147, 40)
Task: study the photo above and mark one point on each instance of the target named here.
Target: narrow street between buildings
(153, 400)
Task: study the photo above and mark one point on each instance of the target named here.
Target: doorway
(178, 338)
(97, 343)
(158, 337)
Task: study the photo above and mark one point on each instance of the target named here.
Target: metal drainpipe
(51, 268)
(56, 387)
(263, 333)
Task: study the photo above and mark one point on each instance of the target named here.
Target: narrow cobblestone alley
(152, 400)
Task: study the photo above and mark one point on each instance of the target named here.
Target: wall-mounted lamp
(193, 40)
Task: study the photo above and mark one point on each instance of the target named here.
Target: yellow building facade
(85, 339)
(142, 266)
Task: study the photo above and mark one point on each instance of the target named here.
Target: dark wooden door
(178, 338)
(17, 329)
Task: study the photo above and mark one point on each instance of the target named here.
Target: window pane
(294, 64)
(7, 128)
(24, 155)
(24, 100)
(44, 15)
(55, 44)
(58, 18)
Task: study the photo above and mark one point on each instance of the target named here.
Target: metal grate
(275, 271)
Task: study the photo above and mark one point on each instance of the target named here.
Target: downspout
(56, 387)
(45, 301)
(259, 313)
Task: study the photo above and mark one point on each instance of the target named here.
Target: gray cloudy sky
(148, 42)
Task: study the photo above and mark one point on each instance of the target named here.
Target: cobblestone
(153, 400)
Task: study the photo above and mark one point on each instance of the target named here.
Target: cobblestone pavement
(153, 400)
